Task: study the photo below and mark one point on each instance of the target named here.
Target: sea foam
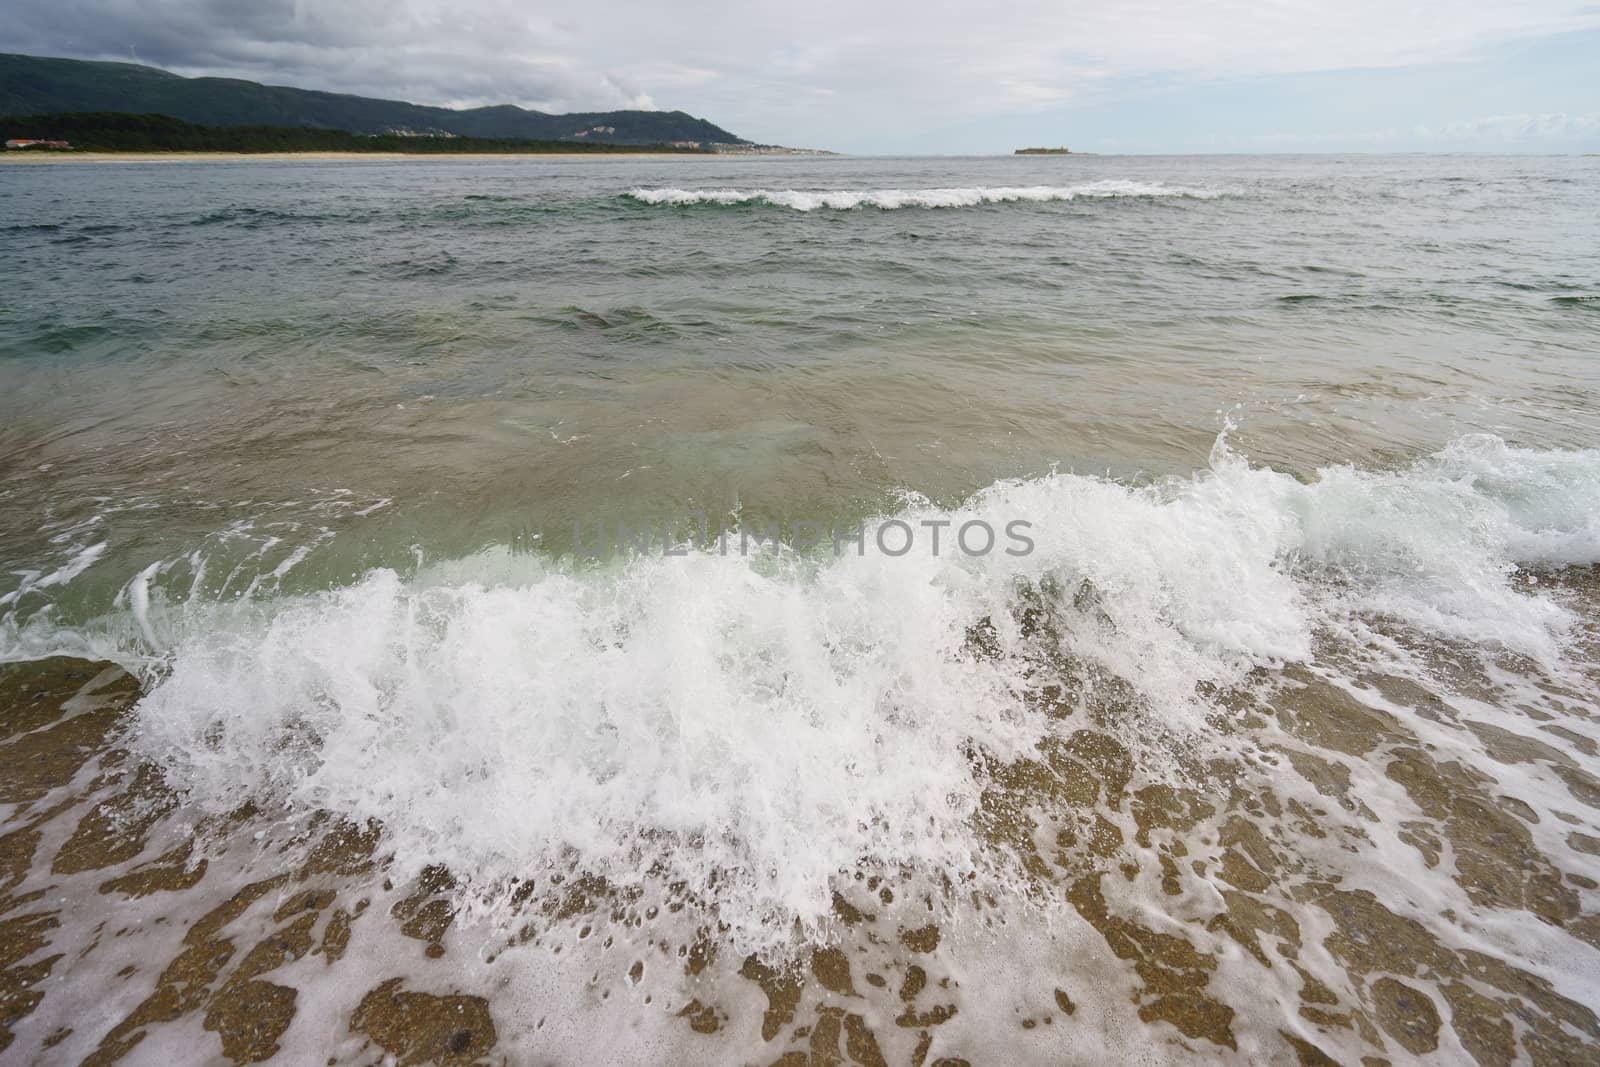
(752, 729)
(892, 199)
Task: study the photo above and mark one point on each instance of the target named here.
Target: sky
(931, 76)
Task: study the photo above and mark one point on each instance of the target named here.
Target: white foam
(892, 199)
(756, 727)
(33, 581)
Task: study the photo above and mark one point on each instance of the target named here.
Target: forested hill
(31, 85)
(120, 132)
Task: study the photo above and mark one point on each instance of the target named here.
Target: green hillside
(32, 85)
(122, 132)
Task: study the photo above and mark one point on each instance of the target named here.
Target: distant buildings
(34, 142)
(406, 131)
(764, 150)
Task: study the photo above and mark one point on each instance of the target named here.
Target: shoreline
(135, 916)
(334, 157)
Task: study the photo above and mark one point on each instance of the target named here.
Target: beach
(315, 157)
(295, 941)
(879, 611)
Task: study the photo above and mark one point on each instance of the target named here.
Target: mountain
(36, 84)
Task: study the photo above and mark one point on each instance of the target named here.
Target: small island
(1062, 151)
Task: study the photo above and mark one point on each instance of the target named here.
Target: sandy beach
(323, 157)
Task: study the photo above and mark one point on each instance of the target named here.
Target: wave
(893, 199)
(748, 728)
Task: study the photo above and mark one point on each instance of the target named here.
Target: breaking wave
(893, 199)
(750, 728)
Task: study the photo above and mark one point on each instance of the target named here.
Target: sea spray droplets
(892, 199)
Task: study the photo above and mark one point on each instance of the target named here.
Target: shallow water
(489, 352)
(1269, 732)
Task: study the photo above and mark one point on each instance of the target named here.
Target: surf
(747, 728)
(807, 200)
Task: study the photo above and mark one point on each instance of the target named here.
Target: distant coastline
(66, 133)
(1062, 151)
(33, 85)
(73, 134)
(57, 157)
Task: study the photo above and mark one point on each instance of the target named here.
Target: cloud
(480, 51)
(1514, 129)
(1550, 132)
(774, 69)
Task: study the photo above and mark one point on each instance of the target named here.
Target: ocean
(1073, 609)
